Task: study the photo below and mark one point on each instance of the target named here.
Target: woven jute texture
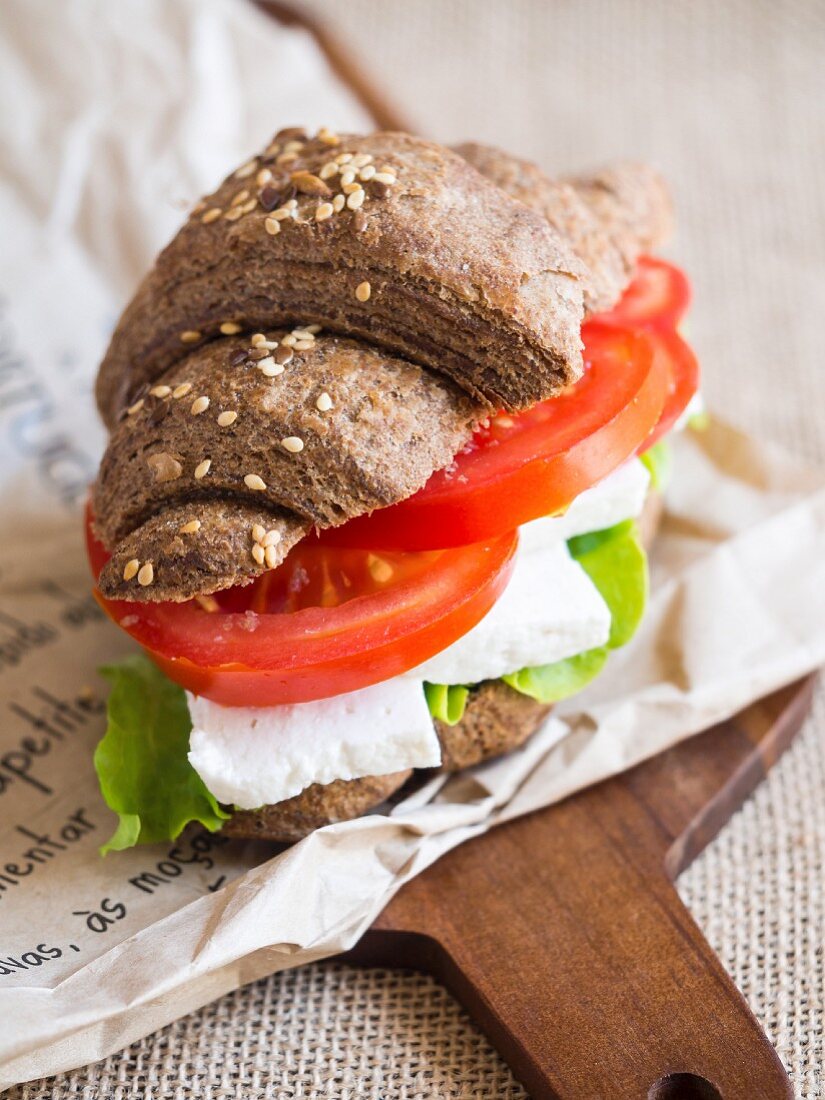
(728, 99)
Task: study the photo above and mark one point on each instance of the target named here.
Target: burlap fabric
(728, 99)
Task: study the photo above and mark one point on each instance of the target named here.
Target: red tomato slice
(658, 297)
(683, 372)
(530, 465)
(324, 623)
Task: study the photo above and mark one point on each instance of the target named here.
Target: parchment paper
(114, 118)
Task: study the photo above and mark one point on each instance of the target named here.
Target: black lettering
(43, 839)
(170, 869)
(16, 870)
(18, 763)
(145, 882)
(78, 817)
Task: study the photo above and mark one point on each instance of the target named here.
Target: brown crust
(318, 805)
(497, 719)
(463, 279)
(390, 425)
(608, 218)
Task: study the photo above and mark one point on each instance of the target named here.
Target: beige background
(728, 100)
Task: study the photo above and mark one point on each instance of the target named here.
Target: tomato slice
(530, 465)
(683, 373)
(325, 622)
(658, 297)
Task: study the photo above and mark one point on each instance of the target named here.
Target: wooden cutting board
(564, 938)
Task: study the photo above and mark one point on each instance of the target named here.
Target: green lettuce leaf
(141, 763)
(659, 462)
(446, 701)
(616, 562)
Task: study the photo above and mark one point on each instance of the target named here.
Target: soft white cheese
(619, 497)
(548, 611)
(254, 756)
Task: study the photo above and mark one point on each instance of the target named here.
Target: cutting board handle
(563, 936)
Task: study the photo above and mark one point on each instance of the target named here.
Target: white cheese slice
(548, 611)
(254, 756)
(619, 497)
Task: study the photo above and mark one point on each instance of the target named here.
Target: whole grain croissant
(425, 296)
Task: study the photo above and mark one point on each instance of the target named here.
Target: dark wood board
(564, 937)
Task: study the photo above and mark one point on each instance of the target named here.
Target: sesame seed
(130, 569)
(229, 328)
(146, 574)
(240, 197)
(356, 199)
(367, 172)
(269, 368)
(199, 405)
(208, 603)
(257, 338)
(324, 211)
(233, 214)
(347, 176)
(182, 390)
(198, 207)
(258, 532)
(324, 402)
(327, 136)
(270, 538)
(249, 206)
(328, 170)
(138, 405)
(338, 203)
(314, 329)
(160, 391)
(258, 553)
(191, 527)
(211, 215)
(271, 557)
(263, 177)
(272, 226)
(293, 146)
(190, 336)
(272, 149)
(227, 418)
(281, 213)
(351, 188)
(304, 345)
(286, 158)
(293, 443)
(247, 169)
(292, 204)
(202, 469)
(385, 177)
(252, 481)
(363, 291)
(289, 341)
(360, 160)
(343, 158)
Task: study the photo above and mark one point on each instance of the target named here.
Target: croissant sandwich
(387, 442)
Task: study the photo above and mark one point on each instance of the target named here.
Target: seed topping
(191, 527)
(247, 169)
(199, 405)
(254, 482)
(182, 390)
(146, 574)
(211, 215)
(363, 291)
(190, 336)
(130, 569)
(258, 553)
(160, 391)
(202, 469)
(293, 443)
(227, 418)
(323, 402)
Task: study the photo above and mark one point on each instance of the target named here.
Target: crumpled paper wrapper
(123, 113)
